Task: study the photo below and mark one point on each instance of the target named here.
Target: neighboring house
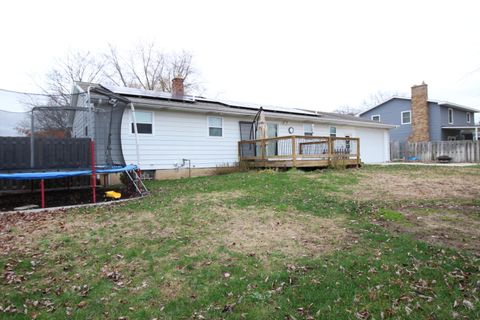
(174, 126)
(419, 119)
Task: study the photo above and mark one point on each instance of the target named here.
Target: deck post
(263, 147)
(294, 151)
(330, 149)
(358, 152)
(239, 154)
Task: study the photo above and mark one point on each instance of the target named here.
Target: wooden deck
(300, 152)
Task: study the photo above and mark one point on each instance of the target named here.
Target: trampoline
(76, 135)
(132, 171)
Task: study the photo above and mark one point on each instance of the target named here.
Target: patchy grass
(332, 244)
(391, 215)
(417, 183)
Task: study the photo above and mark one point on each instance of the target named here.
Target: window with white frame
(376, 117)
(333, 131)
(144, 121)
(308, 129)
(450, 116)
(215, 126)
(406, 117)
(469, 117)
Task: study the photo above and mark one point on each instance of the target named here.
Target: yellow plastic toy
(113, 194)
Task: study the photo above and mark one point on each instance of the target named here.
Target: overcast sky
(312, 54)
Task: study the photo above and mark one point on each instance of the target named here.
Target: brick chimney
(177, 88)
(419, 115)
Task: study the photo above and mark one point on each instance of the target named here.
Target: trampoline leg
(94, 191)
(42, 192)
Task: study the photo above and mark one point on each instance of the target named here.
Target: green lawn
(378, 242)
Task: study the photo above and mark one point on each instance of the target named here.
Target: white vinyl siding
(184, 135)
(406, 117)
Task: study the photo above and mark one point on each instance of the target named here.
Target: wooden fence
(50, 154)
(459, 151)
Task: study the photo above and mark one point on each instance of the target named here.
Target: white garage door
(372, 145)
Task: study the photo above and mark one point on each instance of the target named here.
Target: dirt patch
(216, 198)
(401, 186)
(263, 232)
(457, 227)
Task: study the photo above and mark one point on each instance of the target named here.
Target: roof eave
(220, 108)
(457, 106)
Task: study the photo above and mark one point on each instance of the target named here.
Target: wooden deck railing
(300, 148)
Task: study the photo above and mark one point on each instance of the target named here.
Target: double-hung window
(308, 129)
(333, 131)
(215, 126)
(450, 116)
(406, 117)
(144, 121)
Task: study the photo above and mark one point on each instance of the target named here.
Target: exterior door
(272, 132)
(247, 132)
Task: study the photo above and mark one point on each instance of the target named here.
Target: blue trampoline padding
(61, 174)
(130, 167)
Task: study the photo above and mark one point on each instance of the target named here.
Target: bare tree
(349, 110)
(56, 88)
(378, 97)
(373, 99)
(149, 68)
(144, 67)
(75, 66)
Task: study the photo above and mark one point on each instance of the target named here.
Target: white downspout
(134, 119)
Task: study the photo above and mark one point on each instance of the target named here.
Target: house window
(308, 129)
(469, 117)
(86, 131)
(376, 118)
(333, 131)
(450, 115)
(406, 117)
(215, 126)
(144, 122)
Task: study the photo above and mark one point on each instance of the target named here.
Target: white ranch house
(206, 132)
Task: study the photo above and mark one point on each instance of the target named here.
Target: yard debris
(468, 304)
(113, 274)
(362, 315)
